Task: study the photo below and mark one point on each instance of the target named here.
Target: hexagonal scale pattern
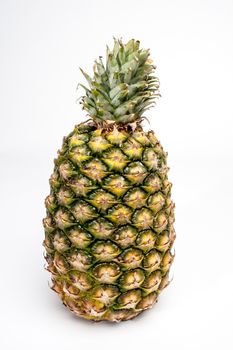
(109, 224)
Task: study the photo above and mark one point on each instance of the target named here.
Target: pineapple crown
(122, 89)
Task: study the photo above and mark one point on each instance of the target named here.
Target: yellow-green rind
(109, 225)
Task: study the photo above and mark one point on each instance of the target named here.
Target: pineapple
(109, 224)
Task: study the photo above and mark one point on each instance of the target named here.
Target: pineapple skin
(109, 224)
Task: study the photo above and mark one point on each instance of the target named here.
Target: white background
(42, 44)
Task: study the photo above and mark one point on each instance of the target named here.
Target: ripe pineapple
(109, 224)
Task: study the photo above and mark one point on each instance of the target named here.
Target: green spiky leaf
(123, 88)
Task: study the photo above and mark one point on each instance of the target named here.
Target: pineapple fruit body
(109, 224)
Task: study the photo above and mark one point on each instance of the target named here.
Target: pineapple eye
(101, 228)
(119, 214)
(125, 236)
(167, 260)
(94, 308)
(132, 279)
(79, 237)
(147, 301)
(146, 240)
(102, 200)
(165, 282)
(48, 224)
(60, 263)
(135, 198)
(69, 290)
(130, 258)
(54, 181)
(141, 138)
(60, 242)
(66, 170)
(151, 136)
(106, 273)
(166, 187)
(163, 241)
(156, 202)
(80, 154)
(160, 222)
(106, 294)
(94, 169)
(79, 260)
(63, 219)
(80, 280)
(130, 299)
(105, 250)
(83, 211)
(132, 148)
(81, 185)
(143, 218)
(150, 159)
(98, 144)
(115, 159)
(135, 172)
(116, 137)
(152, 282)
(65, 196)
(152, 260)
(116, 184)
(152, 183)
(78, 139)
(50, 203)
